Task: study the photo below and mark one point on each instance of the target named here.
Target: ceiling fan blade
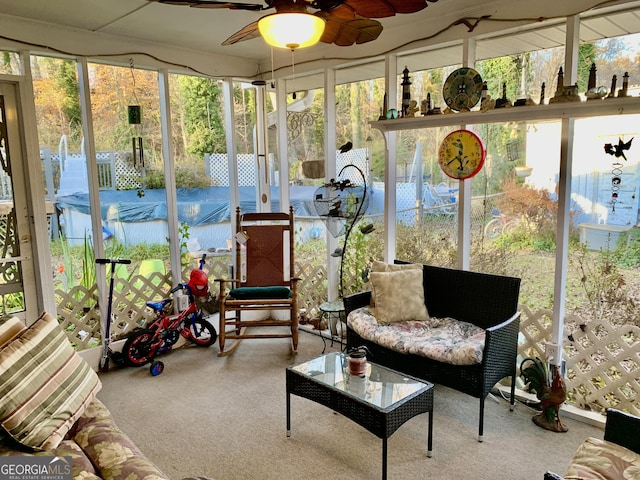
(347, 31)
(247, 33)
(212, 4)
(384, 8)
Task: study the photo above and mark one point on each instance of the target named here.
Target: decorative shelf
(554, 111)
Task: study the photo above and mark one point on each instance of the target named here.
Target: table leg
(430, 435)
(384, 459)
(324, 343)
(288, 414)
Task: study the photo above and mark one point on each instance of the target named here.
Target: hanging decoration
(134, 115)
(617, 151)
(341, 203)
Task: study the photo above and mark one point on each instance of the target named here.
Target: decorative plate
(462, 89)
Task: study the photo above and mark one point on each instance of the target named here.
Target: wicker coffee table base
(382, 422)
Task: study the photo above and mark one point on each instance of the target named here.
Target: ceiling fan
(346, 22)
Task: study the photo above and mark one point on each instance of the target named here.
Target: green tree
(66, 78)
(587, 53)
(203, 115)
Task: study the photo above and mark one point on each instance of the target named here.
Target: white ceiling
(153, 34)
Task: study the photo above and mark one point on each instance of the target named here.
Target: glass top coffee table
(381, 401)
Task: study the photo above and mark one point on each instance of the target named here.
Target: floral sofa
(452, 327)
(49, 406)
(617, 457)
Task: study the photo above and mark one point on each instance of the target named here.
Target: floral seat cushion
(442, 339)
(598, 459)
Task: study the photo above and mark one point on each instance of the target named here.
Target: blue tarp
(196, 206)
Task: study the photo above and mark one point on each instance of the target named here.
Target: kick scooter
(106, 338)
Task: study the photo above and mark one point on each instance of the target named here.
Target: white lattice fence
(312, 289)
(79, 316)
(217, 167)
(603, 367)
(603, 361)
(127, 175)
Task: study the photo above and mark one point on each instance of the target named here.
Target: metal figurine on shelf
(560, 84)
(592, 77)
(425, 105)
(568, 93)
(503, 102)
(406, 92)
(385, 107)
(486, 102)
(594, 92)
(542, 94)
(612, 91)
(625, 85)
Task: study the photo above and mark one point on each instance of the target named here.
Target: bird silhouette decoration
(618, 150)
(346, 147)
(551, 394)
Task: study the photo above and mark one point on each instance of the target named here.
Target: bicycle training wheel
(202, 333)
(156, 368)
(137, 349)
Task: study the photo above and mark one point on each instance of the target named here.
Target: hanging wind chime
(617, 151)
(134, 115)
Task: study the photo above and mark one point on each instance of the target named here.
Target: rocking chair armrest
(222, 281)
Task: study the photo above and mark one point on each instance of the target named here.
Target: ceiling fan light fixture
(291, 30)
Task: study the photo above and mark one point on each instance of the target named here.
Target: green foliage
(79, 266)
(187, 176)
(67, 80)
(628, 249)
(88, 273)
(359, 253)
(203, 115)
(12, 302)
(586, 56)
(499, 71)
(183, 236)
(142, 251)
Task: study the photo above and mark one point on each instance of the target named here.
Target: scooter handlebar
(103, 261)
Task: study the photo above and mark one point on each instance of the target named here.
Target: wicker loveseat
(473, 300)
(49, 406)
(615, 457)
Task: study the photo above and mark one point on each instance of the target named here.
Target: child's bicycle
(159, 337)
(499, 224)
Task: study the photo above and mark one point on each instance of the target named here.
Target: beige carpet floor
(224, 418)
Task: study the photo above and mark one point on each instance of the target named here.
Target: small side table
(334, 313)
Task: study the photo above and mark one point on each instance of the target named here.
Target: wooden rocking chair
(263, 280)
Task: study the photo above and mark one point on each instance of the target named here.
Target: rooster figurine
(535, 373)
